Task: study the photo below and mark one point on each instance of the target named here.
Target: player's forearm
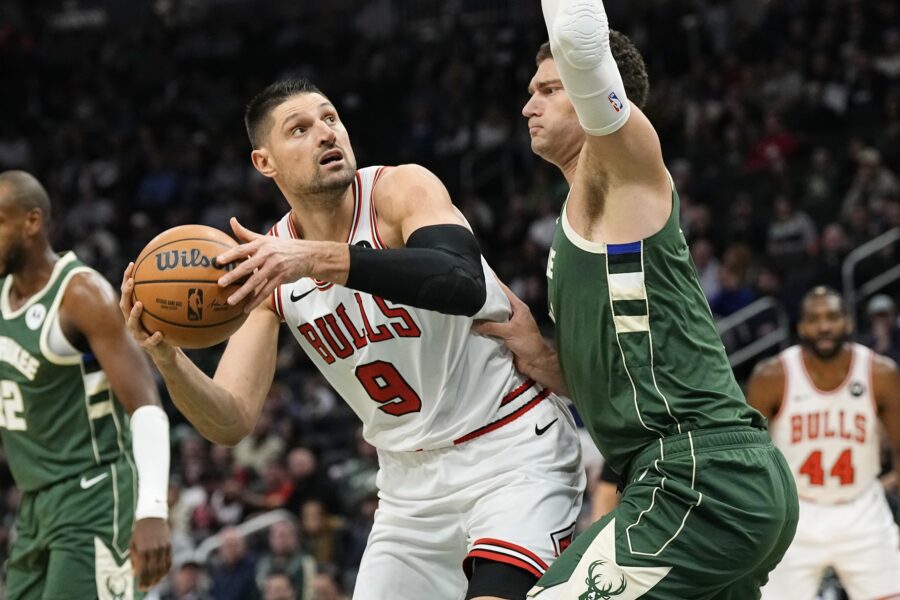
(150, 446)
(579, 40)
(214, 411)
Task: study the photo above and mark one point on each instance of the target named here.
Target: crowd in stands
(780, 123)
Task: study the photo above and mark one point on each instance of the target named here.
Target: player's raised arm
(88, 314)
(224, 409)
(620, 172)
(886, 381)
(765, 389)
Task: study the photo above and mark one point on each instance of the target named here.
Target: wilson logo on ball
(174, 259)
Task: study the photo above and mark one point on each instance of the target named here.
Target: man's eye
(297, 131)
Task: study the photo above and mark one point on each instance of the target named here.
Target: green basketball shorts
(72, 539)
(704, 515)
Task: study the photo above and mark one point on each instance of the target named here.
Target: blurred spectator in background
(278, 586)
(234, 574)
(284, 556)
(884, 330)
(188, 580)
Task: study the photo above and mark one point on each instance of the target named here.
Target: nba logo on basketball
(616, 103)
(195, 304)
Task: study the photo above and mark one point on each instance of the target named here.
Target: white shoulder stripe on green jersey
(53, 314)
(8, 312)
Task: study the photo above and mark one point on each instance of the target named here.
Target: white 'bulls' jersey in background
(418, 379)
(830, 439)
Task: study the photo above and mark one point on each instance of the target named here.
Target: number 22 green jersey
(58, 417)
(637, 344)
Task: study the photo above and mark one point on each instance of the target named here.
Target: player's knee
(581, 35)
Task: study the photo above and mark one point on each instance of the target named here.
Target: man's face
(553, 125)
(824, 326)
(278, 588)
(308, 149)
(12, 235)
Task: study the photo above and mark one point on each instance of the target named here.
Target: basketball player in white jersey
(824, 399)
(379, 279)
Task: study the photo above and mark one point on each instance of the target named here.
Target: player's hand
(533, 356)
(151, 342)
(151, 551)
(265, 263)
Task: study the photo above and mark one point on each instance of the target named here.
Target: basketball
(175, 278)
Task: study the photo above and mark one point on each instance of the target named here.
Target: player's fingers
(243, 269)
(490, 328)
(125, 301)
(248, 288)
(260, 296)
(242, 232)
(154, 340)
(126, 275)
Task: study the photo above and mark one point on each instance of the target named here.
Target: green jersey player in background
(93, 512)
(709, 505)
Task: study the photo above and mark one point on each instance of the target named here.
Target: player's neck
(33, 276)
(568, 167)
(321, 218)
(828, 372)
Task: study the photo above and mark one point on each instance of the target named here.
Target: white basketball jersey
(830, 439)
(418, 379)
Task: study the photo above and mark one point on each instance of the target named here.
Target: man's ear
(34, 221)
(263, 162)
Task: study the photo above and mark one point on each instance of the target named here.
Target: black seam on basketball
(191, 239)
(219, 324)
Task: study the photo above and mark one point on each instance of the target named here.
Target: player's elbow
(463, 292)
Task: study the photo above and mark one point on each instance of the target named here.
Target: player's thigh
(870, 567)
(88, 569)
(27, 564)
(527, 519)
(798, 575)
(88, 535)
(409, 557)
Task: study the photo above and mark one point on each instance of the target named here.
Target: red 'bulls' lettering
(336, 334)
(827, 424)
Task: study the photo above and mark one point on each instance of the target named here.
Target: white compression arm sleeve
(579, 40)
(150, 444)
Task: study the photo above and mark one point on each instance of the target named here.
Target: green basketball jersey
(58, 417)
(638, 347)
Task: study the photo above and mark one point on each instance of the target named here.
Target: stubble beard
(15, 260)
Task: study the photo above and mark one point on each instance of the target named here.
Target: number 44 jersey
(829, 438)
(418, 379)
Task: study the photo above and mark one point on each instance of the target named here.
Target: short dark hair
(26, 192)
(822, 291)
(628, 59)
(257, 116)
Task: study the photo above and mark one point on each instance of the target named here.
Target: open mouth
(331, 157)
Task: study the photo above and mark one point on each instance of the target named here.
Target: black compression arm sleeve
(439, 269)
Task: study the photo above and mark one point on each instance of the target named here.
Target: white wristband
(579, 40)
(150, 445)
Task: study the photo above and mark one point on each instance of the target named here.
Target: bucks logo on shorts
(117, 586)
(600, 586)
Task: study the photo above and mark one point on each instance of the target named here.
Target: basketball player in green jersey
(708, 506)
(93, 515)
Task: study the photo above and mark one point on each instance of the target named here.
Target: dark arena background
(780, 125)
